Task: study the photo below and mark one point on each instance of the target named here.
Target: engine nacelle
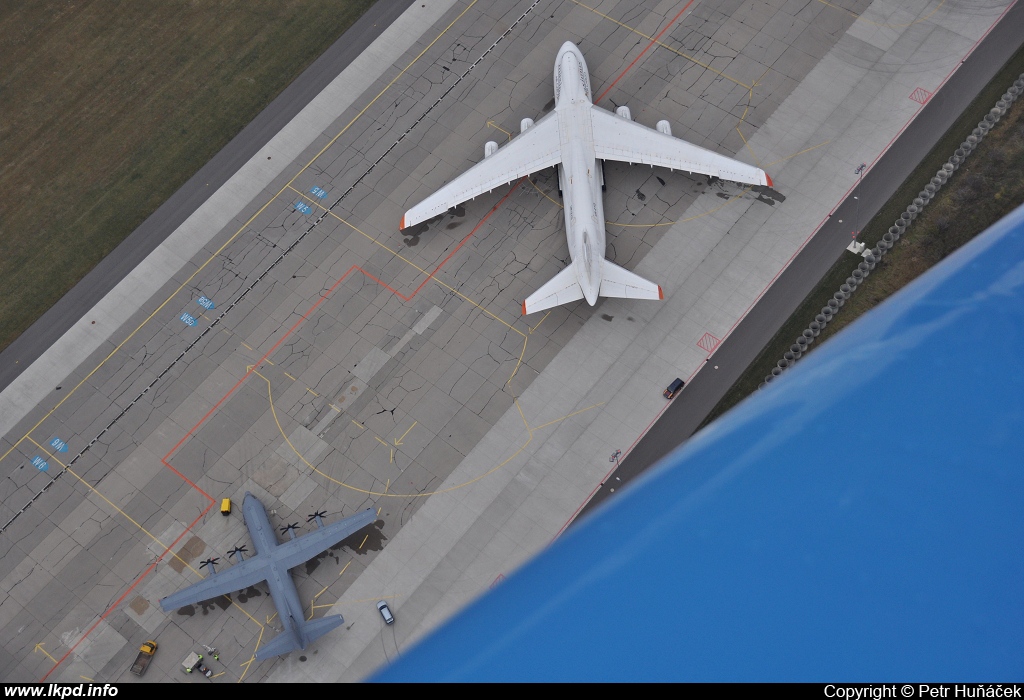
(490, 148)
(525, 124)
(623, 112)
(664, 127)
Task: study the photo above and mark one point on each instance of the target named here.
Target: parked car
(673, 388)
(385, 612)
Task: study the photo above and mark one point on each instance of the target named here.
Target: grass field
(989, 185)
(107, 108)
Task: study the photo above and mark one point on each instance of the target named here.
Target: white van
(385, 612)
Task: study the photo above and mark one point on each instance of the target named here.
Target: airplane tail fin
(619, 282)
(560, 289)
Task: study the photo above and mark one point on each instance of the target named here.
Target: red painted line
(194, 428)
(646, 48)
(323, 297)
(166, 463)
(659, 413)
(851, 188)
(707, 340)
(787, 263)
(612, 470)
(493, 209)
(468, 236)
(125, 594)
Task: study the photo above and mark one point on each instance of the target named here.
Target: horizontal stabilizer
(281, 644)
(560, 289)
(619, 282)
(318, 628)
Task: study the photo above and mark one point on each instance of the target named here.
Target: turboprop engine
(490, 148)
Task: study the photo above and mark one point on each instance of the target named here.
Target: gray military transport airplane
(271, 564)
(576, 135)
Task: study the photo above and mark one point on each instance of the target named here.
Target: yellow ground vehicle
(146, 652)
(225, 506)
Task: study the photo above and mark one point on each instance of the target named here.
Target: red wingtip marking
(401, 227)
(661, 293)
(524, 308)
(766, 177)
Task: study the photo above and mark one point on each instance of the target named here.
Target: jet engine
(623, 112)
(525, 124)
(489, 148)
(664, 127)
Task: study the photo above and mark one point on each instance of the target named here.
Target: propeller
(290, 529)
(211, 562)
(318, 517)
(238, 552)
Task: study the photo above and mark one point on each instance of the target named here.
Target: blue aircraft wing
(302, 549)
(239, 576)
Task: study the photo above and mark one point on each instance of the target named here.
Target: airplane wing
(624, 140)
(242, 575)
(305, 547)
(538, 148)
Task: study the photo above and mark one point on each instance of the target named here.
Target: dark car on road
(673, 388)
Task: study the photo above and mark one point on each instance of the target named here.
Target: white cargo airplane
(576, 134)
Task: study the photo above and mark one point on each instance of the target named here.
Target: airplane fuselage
(581, 193)
(282, 588)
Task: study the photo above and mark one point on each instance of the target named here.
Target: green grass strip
(108, 108)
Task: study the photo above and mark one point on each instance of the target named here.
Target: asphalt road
(736, 353)
(170, 215)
